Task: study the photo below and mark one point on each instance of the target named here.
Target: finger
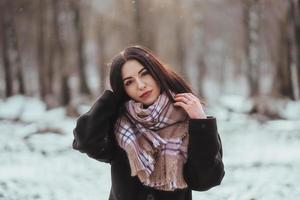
(180, 94)
(186, 99)
(182, 99)
(189, 96)
(184, 106)
(192, 96)
(185, 95)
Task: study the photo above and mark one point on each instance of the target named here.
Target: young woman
(152, 130)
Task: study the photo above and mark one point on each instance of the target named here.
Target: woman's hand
(191, 104)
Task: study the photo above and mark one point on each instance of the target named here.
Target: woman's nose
(140, 84)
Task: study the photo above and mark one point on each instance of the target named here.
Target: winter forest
(241, 56)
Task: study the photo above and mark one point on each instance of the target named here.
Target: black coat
(94, 136)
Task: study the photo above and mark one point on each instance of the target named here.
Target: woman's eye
(145, 73)
(128, 83)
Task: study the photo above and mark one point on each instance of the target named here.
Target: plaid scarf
(155, 140)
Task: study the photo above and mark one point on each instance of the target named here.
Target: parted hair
(165, 77)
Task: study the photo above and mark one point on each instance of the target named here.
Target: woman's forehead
(131, 68)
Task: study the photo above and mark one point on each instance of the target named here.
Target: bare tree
(80, 40)
(4, 49)
(180, 39)
(101, 52)
(64, 75)
(296, 16)
(138, 20)
(46, 51)
(43, 76)
(11, 51)
(144, 23)
(16, 54)
(252, 28)
(198, 41)
(51, 47)
(285, 84)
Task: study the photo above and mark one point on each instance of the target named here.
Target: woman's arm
(93, 132)
(204, 168)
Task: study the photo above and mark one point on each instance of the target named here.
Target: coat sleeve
(93, 130)
(204, 168)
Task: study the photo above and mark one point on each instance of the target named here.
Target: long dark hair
(165, 77)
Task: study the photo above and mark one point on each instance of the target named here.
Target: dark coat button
(102, 149)
(150, 197)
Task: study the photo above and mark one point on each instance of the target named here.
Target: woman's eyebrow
(138, 73)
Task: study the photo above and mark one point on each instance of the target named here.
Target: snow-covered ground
(262, 161)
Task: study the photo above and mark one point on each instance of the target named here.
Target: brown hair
(166, 78)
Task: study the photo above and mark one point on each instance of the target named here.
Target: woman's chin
(149, 102)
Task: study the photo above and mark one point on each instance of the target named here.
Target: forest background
(241, 56)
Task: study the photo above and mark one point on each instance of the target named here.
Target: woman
(152, 130)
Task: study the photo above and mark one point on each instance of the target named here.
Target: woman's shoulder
(107, 101)
(107, 97)
(104, 107)
(96, 122)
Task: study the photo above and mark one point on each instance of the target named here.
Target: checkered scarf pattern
(155, 140)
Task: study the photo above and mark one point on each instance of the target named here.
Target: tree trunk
(16, 54)
(4, 49)
(5, 54)
(51, 48)
(101, 52)
(251, 23)
(137, 18)
(296, 18)
(64, 75)
(41, 51)
(84, 89)
(180, 43)
(282, 85)
(198, 42)
(46, 48)
(180, 51)
(13, 47)
(286, 82)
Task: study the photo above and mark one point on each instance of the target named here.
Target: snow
(291, 110)
(37, 162)
(236, 103)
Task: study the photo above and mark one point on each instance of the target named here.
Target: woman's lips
(146, 94)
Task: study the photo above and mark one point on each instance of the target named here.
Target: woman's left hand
(191, 104)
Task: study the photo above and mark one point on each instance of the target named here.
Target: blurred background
(241, 56)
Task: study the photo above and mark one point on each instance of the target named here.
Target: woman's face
(138, 83)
